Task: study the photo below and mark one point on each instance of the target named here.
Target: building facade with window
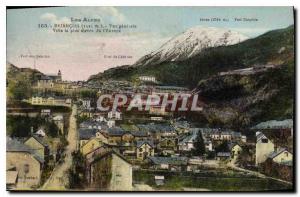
(23, 162)
(264, 147)
(144, 149)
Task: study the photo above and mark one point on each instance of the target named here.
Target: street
(59, 177)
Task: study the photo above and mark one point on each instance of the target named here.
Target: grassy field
(214, 182)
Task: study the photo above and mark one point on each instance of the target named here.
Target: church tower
(59, 78)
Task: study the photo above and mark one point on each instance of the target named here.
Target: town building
(85, 135)
(114, 114)
(158, 110)
(159, 180)
(109, 171)
(221, 136)
(170, 89)
(244, 139)
(281, 156)
(100, 118)
(275, 124)
(187, 143)
(181, 126)
(91, 145)
(45, 82)
(91, 124)
(216, 134)
(264, 147)
(22, 165)
(147, 78)
(156, 118)
(11, 179)
(89, 113)
(48, 81)
(168, 163)
(38, 145)
(111, 123)
(115, 135)
(280, 165)
(144, 149)
(59, 121)
(51, 101)
(45, 112)
(236, 150)
(208, 145)
(283, 127)
(222, 156)
(127, 138)
(86, 103)
(102, 136)
(158, 131)
(40, 133)
(167, 146)
(140, 135)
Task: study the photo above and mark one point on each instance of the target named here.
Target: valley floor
(233, 181)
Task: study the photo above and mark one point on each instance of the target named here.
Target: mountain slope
(191, 43)
(239, 100)
(19, 82)
(13, 72)
(276, 47)
(234, 99)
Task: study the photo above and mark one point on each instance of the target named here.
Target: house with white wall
(264, 146)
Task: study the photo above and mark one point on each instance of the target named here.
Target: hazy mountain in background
(191, 43)
(276, 47)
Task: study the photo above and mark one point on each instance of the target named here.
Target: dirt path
(257, 174)
(59, 178)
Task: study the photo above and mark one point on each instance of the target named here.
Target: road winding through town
(59, 177)
(257, 174)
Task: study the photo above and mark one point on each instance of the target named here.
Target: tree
(245, 158)
(91, 94)
(199, 146)
(223, 147)
(77, 172)
(19, 89)
(53, 129)
(19, 126)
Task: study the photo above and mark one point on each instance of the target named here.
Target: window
(286, 154)
(93, 146)
(141, 150)
(264, 140)
(26, 168)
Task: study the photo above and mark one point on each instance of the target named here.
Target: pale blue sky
(78, 55)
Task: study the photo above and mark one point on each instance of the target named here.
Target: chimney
(31, 131)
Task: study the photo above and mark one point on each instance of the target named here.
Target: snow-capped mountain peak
(192, 42)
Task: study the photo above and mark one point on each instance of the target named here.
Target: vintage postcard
(150, 99)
